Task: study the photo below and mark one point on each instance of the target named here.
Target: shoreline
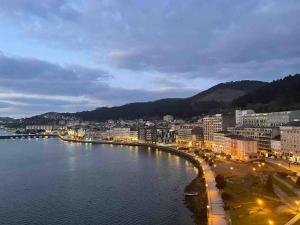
(196, 204)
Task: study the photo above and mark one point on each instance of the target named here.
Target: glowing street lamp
(270, 222)
(253, 169)
(297, 203)
(231, 168)
(260, 203)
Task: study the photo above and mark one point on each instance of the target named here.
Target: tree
(221, 182)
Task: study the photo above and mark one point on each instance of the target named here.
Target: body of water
(48, 181)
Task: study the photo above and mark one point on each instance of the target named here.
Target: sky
(75, 55)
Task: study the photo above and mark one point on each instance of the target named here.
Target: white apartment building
(168, 118)
(290, 140)
(273, 119)
(221, 142)
(215, 123)
(263, 135)
(239, 115)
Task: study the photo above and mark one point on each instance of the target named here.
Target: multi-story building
(276, 146)
(239, 115)
(124, 134)
(290, 140)
(184, 138)
(76, 133)
(222, 142)
(215, 123)
(263, 136)
(273, 119)
(147, 134)
(189, 137)
(168, 118)
(165, 135)
(243, 148)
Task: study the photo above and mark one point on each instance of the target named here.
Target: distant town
(243, 135)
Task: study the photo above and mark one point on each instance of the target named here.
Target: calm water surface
(48, 181)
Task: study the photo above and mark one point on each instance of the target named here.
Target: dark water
(51, 182)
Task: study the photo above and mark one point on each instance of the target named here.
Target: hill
(215, 99)
(282, 94)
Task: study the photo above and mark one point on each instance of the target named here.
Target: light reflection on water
(55, 182)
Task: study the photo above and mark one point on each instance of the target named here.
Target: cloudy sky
(72, 55)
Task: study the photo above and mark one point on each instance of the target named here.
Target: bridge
(27, 136)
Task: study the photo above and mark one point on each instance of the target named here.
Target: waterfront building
(168, 118)
(276, 146)
(239, 115)
(222, 142)
(39, 127)
(263, 136)
(147, 134)
(273, 119)
(189, 137)
(165, 135)
(215, 123)
(76, 133)
(290, 140)
(243, 148)
(123, 134)
(184, 138)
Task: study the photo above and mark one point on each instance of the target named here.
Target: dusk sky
(74, 55)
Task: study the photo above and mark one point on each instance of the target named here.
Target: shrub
(221, 182)
(226, 196)
(269, 184)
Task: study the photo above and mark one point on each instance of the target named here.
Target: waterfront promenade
(216, 212)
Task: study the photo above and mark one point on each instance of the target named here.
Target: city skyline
(79, 55)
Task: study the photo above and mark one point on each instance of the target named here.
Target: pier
(27, 136)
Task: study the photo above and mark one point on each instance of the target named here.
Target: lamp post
(297, 204)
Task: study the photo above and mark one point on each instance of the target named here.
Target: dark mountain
(6, 119)
(215, 99)
(282, 94)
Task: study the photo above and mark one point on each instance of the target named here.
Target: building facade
(273, 119)
(221, 142)
(243, 149)
(147, 134)
(239, 115)
(262, 135)
(215, 123)
(290, 141)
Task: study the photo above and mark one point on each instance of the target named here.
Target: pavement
(216, 212)
(285, 164)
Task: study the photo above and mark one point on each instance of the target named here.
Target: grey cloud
(183, 38)
(32, 86)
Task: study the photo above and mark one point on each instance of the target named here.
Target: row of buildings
(253, 134)
(243, 135)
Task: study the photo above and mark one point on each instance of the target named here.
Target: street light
(297, 203)
(270, 222)
(231, 168)
(260, 203)
(253, 169)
